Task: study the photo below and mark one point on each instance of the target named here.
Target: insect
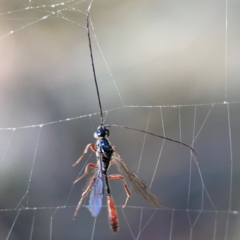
(106, 156)
(104, 152)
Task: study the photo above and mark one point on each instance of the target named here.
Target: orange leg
(84, 194)
(90, 145)
(117, 176)
(110, 164)
(91, 165)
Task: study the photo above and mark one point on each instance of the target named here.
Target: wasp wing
(91, 175)
(138, 184)
(97, 190)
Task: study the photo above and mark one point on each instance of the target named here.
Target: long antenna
(94, 73)
(100, 105)
(153, 134)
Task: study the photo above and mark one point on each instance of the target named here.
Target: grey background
(160, 53)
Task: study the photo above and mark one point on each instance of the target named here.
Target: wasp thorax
(102, 131)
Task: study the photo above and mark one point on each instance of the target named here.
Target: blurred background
(176, 68)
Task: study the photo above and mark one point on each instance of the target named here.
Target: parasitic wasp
(106, 156)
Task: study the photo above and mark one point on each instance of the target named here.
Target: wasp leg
(91, 165)
(84, 194)
(117, 176)
(110, 164)
(90, 145)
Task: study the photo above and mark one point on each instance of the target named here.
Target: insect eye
(102, 132)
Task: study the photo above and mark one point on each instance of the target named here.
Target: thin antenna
(100, 105)
(94, 73)
(153, 134)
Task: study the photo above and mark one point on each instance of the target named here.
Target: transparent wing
(92, 174)
(96, 196)
(97, 191)
(138, 184)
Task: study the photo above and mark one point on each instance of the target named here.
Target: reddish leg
(90, 145)
(117, 176)
(110, 164)
(91, 165)
(84, 194)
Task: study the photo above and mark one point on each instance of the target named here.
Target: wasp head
(102, 131)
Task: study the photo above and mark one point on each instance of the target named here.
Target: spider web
(165, 67)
